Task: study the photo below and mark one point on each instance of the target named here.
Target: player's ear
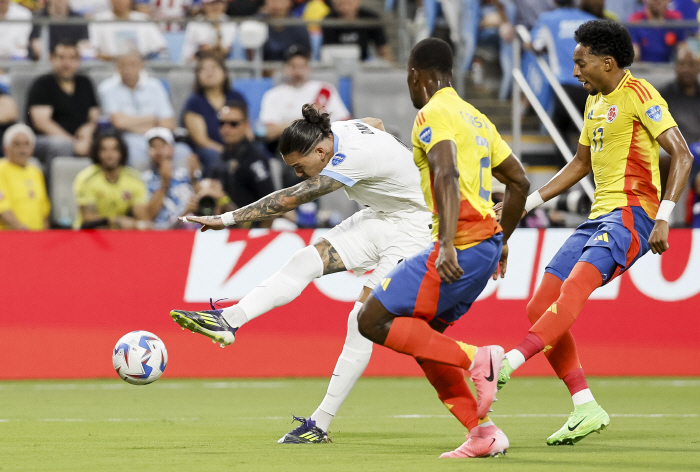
(608, 63)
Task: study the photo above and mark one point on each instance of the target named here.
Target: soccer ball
(140, 357)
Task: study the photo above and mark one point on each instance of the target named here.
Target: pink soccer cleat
(486, 441)
(484, 374)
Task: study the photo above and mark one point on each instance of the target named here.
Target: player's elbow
(519, 186)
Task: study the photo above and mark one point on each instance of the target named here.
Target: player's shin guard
(350, 366)
(453, 391)
(416, 338)
(279, 289)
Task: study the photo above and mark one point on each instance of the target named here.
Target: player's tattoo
(332, 262)
(287, 199)
(213, 218)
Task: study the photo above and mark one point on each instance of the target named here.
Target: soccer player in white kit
(376, 170)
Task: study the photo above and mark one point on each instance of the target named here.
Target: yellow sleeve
(83, 195)
(499, 148)
(653, 114)
(5, 202)
(432, 126)
(584, 139)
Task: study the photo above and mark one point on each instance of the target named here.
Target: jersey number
(484, 163)
(597, 139)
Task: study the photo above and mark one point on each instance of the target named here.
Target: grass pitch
(386, 424)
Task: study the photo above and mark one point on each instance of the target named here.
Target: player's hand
(447, 265)
(658, 239)
(498, 208)
(502, 263)
(207, 222)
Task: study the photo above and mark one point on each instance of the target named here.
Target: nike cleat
(487, 362)
(306, 433)
(583, 421)
(210, 323)
(487, 441)
(505, 373)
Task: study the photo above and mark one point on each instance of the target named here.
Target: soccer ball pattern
(140, 357)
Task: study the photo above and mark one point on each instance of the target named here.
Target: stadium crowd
(145, 160)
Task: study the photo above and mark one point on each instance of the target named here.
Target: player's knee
(534, 310)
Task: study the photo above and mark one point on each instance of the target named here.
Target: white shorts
(368, 241)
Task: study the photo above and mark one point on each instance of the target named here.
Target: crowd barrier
(67, 297)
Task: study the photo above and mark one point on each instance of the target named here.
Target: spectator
(597, 9)
(136, 103)
(683, 98)
(14, 39)
(528, 11)
(212, 89)
(33, 5)
(169, 187)
(9, 114)
(165, 10)
(90, 8)
(121, 37)
(554, 34)
(281, 38)
(282, 104)
(245, 171)
(351, 10)
(243, 7)
(215, 34)
(108, 193)
(62, 107)
(59, 10)
(656, 44)
(23, 200)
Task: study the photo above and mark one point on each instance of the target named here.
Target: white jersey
(376, 168)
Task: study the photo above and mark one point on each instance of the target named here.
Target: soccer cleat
(306, 433)
(210, 323)
(505, 373)
(487, 362)
(486, 441)
(583, 421)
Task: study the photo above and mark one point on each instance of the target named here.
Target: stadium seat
(63, 173)
(99, 75)
(181, 84)
(20, 83)
(173, 42)
(253, 91)
(383, 94)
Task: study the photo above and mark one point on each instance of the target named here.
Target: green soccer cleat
(583, 421)
(504, 373)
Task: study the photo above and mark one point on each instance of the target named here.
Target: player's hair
(97, 142)
(607, 38)
(219, 61)
(305, 133)
(16, 129)
(432, 54)
(65, 42)
(238, 105)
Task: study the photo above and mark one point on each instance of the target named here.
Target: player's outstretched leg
(306, 433)
(351, 364)
(210, 323)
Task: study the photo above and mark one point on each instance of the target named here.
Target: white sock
(515, 358)
(583, 396)
(351, 364)
(281, 288)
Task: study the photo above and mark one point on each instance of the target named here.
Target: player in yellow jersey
(625, 122)
(456, 149)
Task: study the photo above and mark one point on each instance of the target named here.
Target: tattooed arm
(273, 205)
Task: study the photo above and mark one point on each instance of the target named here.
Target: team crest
(426, 135)
(338, 158)
(612, 114)
(654, 113)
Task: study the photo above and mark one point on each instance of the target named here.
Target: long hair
(305, 133)
(205, 56)
(97, 142)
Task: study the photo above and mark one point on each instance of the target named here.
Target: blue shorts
(624, 233)
(413, 287)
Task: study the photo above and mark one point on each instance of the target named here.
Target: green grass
(386, 424)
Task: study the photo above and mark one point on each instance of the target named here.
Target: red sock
(559, 317)
(530, 346)
(575, 381)
(453, 391)
(416, 338)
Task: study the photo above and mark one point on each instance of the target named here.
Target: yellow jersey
(23, 191)
(446, 117)
(621, 129)
(111, 199)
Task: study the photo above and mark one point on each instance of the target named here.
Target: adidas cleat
(306, 433)
(210, 323)
(505, 373)
(583, 421)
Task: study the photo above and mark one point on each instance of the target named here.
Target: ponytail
(305, 133)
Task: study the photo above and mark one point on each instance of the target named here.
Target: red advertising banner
(67, 297)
